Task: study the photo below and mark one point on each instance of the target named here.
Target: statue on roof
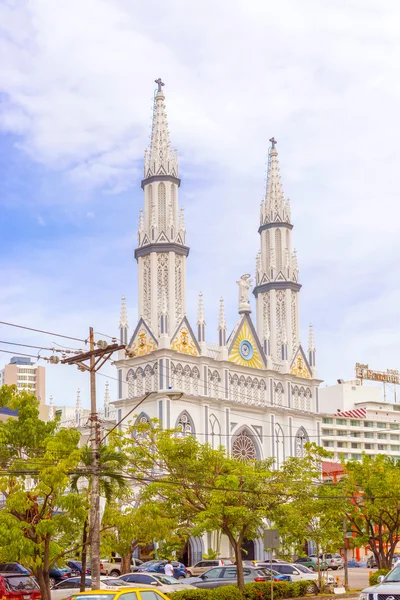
(244, 284)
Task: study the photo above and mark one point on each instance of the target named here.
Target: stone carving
(244, 284)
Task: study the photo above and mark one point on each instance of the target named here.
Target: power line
(38, 347)
(67, 337)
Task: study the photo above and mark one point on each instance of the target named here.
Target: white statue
(244, 284)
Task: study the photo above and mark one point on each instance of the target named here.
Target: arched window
(263, 392)
(256, 392)
(142, 419)
(243, 446)
(242, 390)
(215, 432)
(308, 399)
(278, 394)
(300, 441)
(131, 384)
(295, 397)
(267, 251)
(279, 445)
(139, 381)
(162, 208)
(196, 377)
(235, 388)
(185, 424)
(278, 249)
(186, 379)
(148, 378)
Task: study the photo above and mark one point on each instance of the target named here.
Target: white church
(255, 390)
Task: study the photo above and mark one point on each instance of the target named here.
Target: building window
(382, 446)
(394, 425)
(355, 434)
(328, 432)
(342, 433)
(369, 446)
(368, 435)
(394, 437)
(355, 423)
(355, 445)
(328, 444)
(301, 439)
(382, 436)
(342, 444)
(341, 421)
(394, 448)
(243, 447)
(368, 424)
(381, 425)
(327, 420)
(355, 456)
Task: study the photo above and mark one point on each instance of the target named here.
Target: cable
(67, 337)
(20, 354)
(39, 347)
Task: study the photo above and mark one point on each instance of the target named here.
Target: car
(140, 592)
(14, 568)
(355, 564)
(57, 574)
(76, 566)
(204, 565)
(15, 586)
(312, 563)
(157, 566)
(371, 562)
(72, 584)
(387, 586)
(112, 566)
(334, 561)
(219, 576)
(164, 583)
(300, 573)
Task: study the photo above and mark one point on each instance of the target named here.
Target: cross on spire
(272, 140)
(160, 83)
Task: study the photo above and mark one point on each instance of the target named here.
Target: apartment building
(26, 375)
(358, 419)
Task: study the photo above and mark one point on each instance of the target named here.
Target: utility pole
(346, 568)
(96, 359)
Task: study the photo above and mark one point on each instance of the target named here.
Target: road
(358, 578)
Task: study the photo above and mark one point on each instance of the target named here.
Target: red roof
(358, 413)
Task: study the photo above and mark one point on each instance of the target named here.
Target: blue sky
(76, 88)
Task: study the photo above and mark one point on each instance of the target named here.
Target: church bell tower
(161, 252)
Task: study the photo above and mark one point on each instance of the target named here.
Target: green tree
(40, 526)
(373, 486)
(206, 490)
(112, 484)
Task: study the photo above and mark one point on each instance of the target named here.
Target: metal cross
(159, 83)
(272, 140)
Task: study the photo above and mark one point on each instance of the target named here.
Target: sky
(76, 90)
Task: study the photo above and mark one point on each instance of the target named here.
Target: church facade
(254, 390)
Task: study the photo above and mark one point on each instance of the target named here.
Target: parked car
(388, 586)
(311, 563)
(334, 561)
(19, 586)
(204, 565)
(146, 593)
(355, 564)
(371, 562)
(70, 586)
(157, 566)
(220, 576)
(112, 566)
(76, 566)
(57, 574)
(300, 573)
(14, 568)
(162, 582)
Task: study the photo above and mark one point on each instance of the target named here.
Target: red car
(17, 586)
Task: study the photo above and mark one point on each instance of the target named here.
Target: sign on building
(390, 376)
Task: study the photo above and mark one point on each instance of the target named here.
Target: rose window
(243, 448)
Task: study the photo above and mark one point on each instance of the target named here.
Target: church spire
(221, 324)
(50, 416)
(276, 208)
(123, 322)
(311, 347)
(201, 321)
(106, 401)
(78, 406)
(160, 159)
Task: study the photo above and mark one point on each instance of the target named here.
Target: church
(255, 389)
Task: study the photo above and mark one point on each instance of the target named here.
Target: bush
(283, 589)
(192, 594)
(373, 579)
(226, 592)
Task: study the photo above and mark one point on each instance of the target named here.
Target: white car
(163, 583)
(70, 586)
(300, 573)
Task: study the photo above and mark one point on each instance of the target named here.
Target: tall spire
(159, 159)
(78, 406)
(123, 322)
(106, 401)
(201, 321)
(311, 349)
(51, 410)
(276, 208)
(221, 324)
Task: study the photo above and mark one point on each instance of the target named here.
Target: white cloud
(78, 81)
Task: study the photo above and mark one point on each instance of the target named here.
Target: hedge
(252, 591)
(373, 579)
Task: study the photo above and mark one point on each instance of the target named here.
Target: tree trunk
(126, 560)
(237, 546)
(84, 556)
(43, 584)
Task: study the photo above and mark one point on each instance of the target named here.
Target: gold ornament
(299, 368)
(143, 343)
(183, 343)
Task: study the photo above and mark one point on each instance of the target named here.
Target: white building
(361, 421)
(255, 390)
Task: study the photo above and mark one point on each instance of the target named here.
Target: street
(358, 578)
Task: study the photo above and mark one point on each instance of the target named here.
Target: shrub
(283, 589)
(227, 592)
(192, 594)
(299, 588)
(373, 579)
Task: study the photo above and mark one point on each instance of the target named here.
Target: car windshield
(303, 569)
(114, 582)
(394, 575)
(20, 583)
(100, 596)
(166, 579)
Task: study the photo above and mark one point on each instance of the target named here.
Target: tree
(111, 484)
(207, 490)
(39, 525)
(373, 487)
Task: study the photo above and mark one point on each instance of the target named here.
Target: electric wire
(67, 337)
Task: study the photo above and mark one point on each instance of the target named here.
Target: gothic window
(235, 388)
(139, 381)
(295, 397)
(267, 310)
(162, 208)
(256, 392)
(287, 240)
(173, 202)
(185, 424)
(150, 202)
(280, 320)
(146, 289)
(278, 249)
(302, 397)
(279, 445)
(308, 399)
(142, 419)
(300, 441)
(215, 431)
(162, 283)
(249, 391)
(131, 384)
(278, 394)
(178, 372)
(186, 377)
(243, 446)
(294, 320)
(267, 251)
(178, 288)
(263, 392)
(196, 377)
(148, 378)
(242, 389)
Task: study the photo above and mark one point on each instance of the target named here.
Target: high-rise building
(26, 375)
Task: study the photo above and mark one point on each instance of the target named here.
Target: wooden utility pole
(96, 359)
(345, 544)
